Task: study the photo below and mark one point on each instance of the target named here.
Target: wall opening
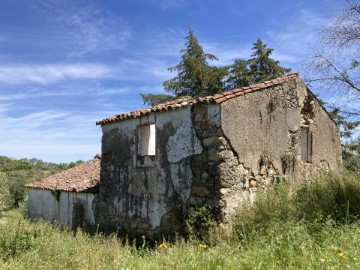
(306, 145)
(146, 140)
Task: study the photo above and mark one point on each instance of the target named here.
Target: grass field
(315, 227)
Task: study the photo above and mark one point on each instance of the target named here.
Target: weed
(288, 160)
(199, 222)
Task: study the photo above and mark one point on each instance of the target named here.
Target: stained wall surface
(267, 125)
(44, 204)
(147, 193)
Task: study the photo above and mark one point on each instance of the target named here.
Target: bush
(332, 198)
(200, 222)
(335, 197)
(275, 204)
(17, 240)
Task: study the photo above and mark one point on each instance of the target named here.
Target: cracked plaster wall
(264, 127)
(151, 198)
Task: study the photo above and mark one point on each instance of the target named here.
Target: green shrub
(16, 240)
(332, 196)
(275, 204)
(200, 222)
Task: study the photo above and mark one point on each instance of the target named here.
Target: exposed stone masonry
(221, 181)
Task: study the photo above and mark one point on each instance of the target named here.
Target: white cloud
(83, 27)
(168, 4)
(102, 91)
(298, 35)
(45, 74)
(33, 120)
(284, 57)
(50, 135)
(5, 107)
(176, 4)
(57, 152)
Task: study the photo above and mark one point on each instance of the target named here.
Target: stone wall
(259, 144)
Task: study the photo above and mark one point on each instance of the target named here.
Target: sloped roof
(185, 101)
(81, 178)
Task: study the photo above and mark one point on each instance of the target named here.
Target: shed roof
(81, 178)
(184, 101)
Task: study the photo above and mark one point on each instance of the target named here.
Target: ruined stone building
(161, 163)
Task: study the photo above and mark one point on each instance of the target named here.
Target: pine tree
(261, 66)
(195, 77)
(238, 74)
(153, 99)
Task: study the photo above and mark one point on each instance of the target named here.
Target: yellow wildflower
(202, 246)
(163, 245)
(341, 255)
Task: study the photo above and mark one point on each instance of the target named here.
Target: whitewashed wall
(44, 205)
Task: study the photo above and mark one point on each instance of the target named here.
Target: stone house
(66, 197)
(161, 163)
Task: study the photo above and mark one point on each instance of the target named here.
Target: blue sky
(66, 63)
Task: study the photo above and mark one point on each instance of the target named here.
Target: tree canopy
(261, 66)
(195, 77)
(15, 173)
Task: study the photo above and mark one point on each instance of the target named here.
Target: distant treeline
(16, 173)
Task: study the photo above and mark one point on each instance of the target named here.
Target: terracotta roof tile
(185, 101)
(227, 93)
(239, 93)
(82, 178)
(248, 91)
(220, 99)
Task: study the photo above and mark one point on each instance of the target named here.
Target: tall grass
(314, 227)
(331, 199)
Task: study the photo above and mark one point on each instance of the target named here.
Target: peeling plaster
(178, 148)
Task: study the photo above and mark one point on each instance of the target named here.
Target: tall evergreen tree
(195, 77)
(154, 99)
(238, 74)
(261, 66)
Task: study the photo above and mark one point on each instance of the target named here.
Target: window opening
(146, 143)
(306, 144)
